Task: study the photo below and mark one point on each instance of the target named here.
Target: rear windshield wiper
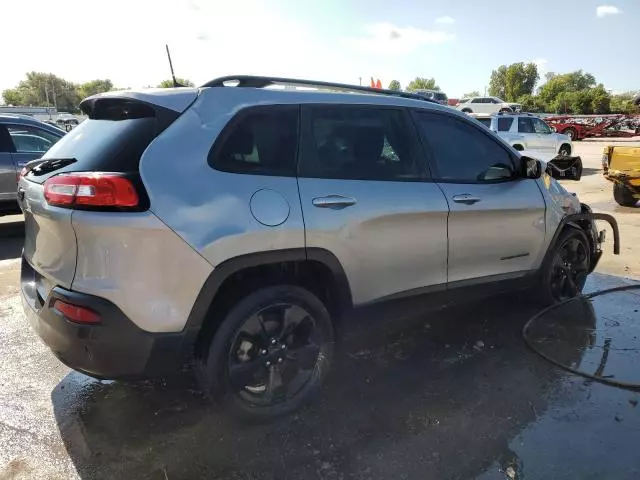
(46, 166)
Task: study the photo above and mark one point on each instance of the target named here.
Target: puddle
(597, 337)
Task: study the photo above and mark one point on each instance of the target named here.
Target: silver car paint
(393, 239)
(503, 233)
(153, 264)
(210, 209)
(49, 241)
(136, 262)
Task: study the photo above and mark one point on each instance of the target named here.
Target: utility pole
(360, 80)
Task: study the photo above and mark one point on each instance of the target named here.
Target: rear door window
(359, 143)
(28, 139)
(525, 125)
(259, 140)
(504, 124)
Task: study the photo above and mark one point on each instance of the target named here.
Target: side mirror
(531, 168)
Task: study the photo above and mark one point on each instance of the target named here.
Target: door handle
(466, 198)
(335, 202)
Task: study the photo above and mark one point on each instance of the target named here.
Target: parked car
(530, 134)
(67, 122)
(621, 165)
(487, 105)
(525, 131)
(286, 210)
(22, 138)
(435, 95)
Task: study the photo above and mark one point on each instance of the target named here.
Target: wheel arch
(316, 269)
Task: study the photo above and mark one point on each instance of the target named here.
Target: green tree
(181, 81)
(532, 103)
(623, 103)
(93, 87)
(395, 85)
(600, 100)
(44, 89)
(510, 82)
(420, 83)
(474, 93)
(567, 82)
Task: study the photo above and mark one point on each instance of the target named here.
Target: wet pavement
(453, 393)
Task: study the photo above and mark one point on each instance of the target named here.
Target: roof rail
(516, 113)
(262, 82)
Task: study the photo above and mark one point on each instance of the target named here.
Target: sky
(457, 42)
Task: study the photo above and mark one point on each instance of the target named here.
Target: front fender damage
(586, 221)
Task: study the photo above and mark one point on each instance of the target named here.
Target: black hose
(607, 381)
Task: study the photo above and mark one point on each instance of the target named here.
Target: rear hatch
(94, 167)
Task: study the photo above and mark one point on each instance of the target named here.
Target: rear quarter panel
(207, 208)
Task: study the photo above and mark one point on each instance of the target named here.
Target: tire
(506, 110)
(234, 373)
(571, 133)
(559, 281)
(623, 195)
(518, 147)
(467, 110)
(578, 167)
(565, 150)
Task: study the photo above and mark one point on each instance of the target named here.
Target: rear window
(485, 121)
(504, 124)
(112, 139)
(106, 145)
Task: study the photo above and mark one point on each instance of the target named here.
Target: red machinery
(578, 127)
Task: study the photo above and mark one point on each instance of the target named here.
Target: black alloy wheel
(569, 268)
(271, 353)
(274, 354)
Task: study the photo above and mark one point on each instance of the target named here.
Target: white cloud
(446, 20)
(386, 38)
(604, 10)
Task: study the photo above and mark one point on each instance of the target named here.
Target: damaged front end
(586, 221)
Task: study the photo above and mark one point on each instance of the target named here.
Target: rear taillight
(75, 313)
(90, 190)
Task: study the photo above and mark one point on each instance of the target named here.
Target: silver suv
(234, 226)
(525, 131)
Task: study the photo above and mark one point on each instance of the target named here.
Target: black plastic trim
(227, 268)
(249, 81)
(115, 348)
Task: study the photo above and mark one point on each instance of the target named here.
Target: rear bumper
(114, 349)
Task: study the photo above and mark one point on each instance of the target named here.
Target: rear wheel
(566, 268)
(571, 133)
(271, 353)
(506, 110)
(623, 195)
(467, 110)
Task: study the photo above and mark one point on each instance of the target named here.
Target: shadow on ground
(586, 171)
(11, 239)
(437, 395)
